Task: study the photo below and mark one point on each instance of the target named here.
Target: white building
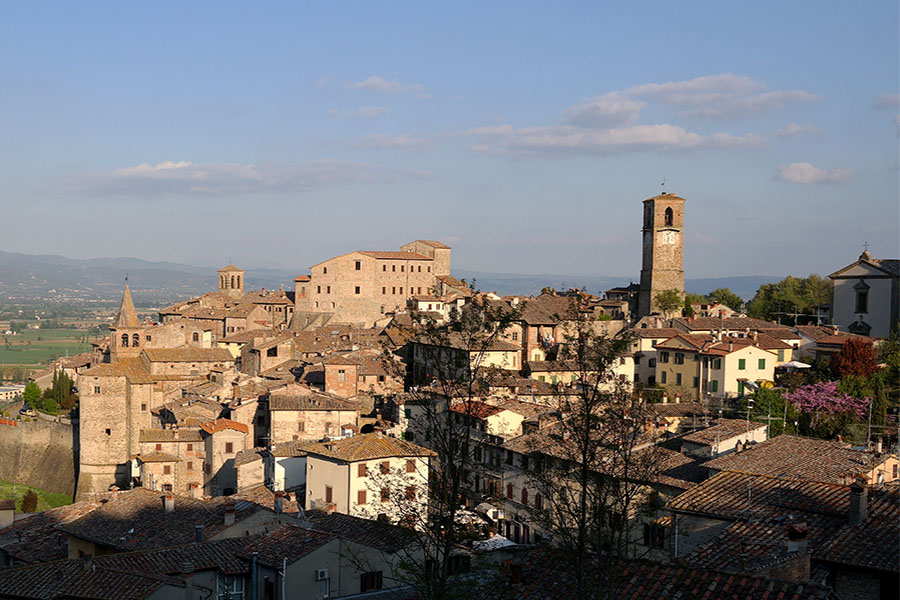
(865, 296)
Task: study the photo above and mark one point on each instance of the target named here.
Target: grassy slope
(45, 499)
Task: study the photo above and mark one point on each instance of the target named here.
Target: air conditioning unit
(321, 574)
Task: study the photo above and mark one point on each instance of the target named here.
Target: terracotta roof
(871, 544)
(796, 457)
(263, 496)
(727, 324)
(656, 333)
(243, 337)
(135, 520)
(739, 496)
(222, 424)
(131, 368)
(220, 555)
(838, 339)
(395, 255)
(299, 397)
(169, 435)
(723, 429)
(477, 409)
(302, 278)
(291, 449)
(158, 457)
(38, 538)
(188, 354)
(367, 446)
(434, 244)
(229, 269)
(693, 340)
(679, 409)
(368, 532)
(76, 579)
(455, 340)
(289, 542)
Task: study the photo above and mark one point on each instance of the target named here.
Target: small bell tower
(663, 244)
(231, 282)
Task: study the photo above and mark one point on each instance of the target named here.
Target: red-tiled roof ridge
(222, 424)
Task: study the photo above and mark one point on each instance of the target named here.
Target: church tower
(663, 234)
(126, 330)
(231, 282)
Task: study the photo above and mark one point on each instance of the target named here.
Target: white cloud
(724, 95)
(397, 142)
(380, 85)
(794, 130)
(184, 177)
(604, 111)
(567, 140)
(365, 112)
(805, 173)
(887, 101)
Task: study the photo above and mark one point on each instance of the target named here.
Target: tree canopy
(774, 301)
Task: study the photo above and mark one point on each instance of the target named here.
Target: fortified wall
(40, 454)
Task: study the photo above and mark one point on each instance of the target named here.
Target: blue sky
(525, 135)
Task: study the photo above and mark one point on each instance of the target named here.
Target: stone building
(362, 286)
(299, 412)
(663, 241)
(231, 282)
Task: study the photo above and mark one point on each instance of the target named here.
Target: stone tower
(663, 243)
(126, 331)
(231, 282)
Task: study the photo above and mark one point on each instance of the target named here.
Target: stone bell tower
(663, 242)
(231, 282)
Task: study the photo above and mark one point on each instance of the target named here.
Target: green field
(45, 499)
(40, 346)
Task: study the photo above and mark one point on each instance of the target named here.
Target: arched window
(135, 340)
(669, 216)
(232, 281)
(196, 337)
(124, 340)
(239, 280)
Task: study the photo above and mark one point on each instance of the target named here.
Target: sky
(525, 135)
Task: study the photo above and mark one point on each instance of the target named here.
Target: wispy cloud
(569, 140)
(887, 101)
(724, 95)
(395, 142)
(794, 130)
(380, 85)
(185, 177)
(604, 111)
(805, 173)
(365, 112)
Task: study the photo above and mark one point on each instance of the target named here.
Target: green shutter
(742, 364)
(715, 385)
(762, 363)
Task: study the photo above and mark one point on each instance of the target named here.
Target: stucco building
(865, 296)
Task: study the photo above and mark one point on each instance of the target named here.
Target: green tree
(727, 297)
(789, 297)
(857, 357)
(668, 301)
(31, 394)
(769, 406)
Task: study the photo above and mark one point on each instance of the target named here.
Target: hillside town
(382, 429)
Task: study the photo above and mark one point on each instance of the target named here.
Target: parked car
(27, 411)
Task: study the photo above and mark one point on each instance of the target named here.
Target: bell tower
(231, 282)
(663, 242)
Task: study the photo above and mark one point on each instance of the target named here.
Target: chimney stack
(169, 503)
(797, 537)
(279, 502)
(229, 513)
(879, 445)
(859, 501)
(198, 533)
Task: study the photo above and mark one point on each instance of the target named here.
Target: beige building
(223, 439)
(299, 412)
(369, 475)
(362, 286)
(865, 296)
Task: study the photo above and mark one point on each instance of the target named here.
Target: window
(108, 431)
(370, 581)
(329, 494)
(652, 363)
(190, 465)
(679, 358)
(393, 268)
(509, 490)
(410, 492)
(124, 340)
(780, 355)
(190, 447)
(862, 297)
(538, 501)
(664, 377)
(420, 268)
(356, 289)
(167, 487)
(663, 357)
(385, 467)
(159, 447)
(135, 340)
(407, 412)
(229, 447)
(149, 338)
(327, 289)
(393, 290)
(714, 385)
(301, 425)
(677, 378)
(696, 382)
(361, 497)
(401, 268)
(383, 291)
(669, 217)
(361, 470)
(429, 269)
(762, 364)
(385, 494)
(742, 364)
(342, 375)
(717, 363)
(167, 470)
(515, 336)
(196, 337)
(358, 265)
(384, 267)
(654, 535)
(524, 496)
(143, 407)
(318, 289)
(324, 270)
(740, 388)
(401, 290)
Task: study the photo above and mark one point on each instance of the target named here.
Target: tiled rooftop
(723, 429)
(367, 446)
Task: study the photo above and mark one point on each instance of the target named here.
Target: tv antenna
(663, 184)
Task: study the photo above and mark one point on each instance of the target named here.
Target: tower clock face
(668, 237)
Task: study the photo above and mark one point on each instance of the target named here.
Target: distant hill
(50, 277)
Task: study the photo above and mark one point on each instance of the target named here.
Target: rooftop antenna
(663, 184)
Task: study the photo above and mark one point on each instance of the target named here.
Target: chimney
(229, 513)
(279, 502)
(859, 501)
(198, 533)
(329, 508)
(234, 390)
(796, 537)
(169, 503)
(879, 445)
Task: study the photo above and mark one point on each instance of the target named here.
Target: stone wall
(39, 454)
